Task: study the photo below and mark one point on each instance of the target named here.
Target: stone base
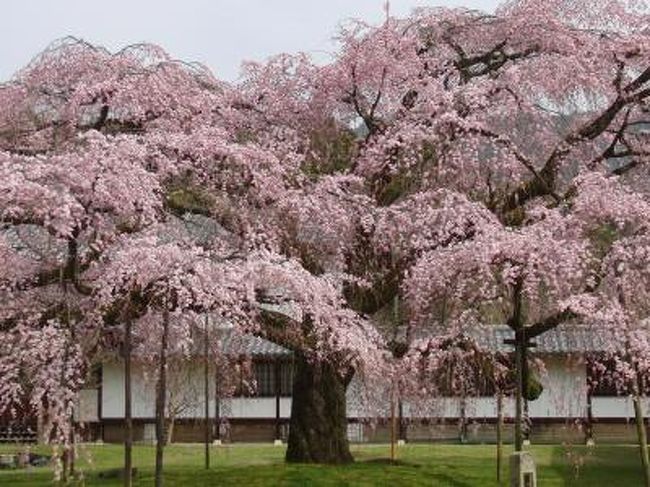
(401, 442)
(526, 443)
(216, 442)
(522, 470)
(277, 443)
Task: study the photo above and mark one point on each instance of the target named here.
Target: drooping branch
(550, 323)
(547, 182)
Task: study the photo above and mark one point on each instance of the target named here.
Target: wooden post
(401, 422)
(519, 346)
(161, 400)
(642, 436)
(499, 434)
(217, 411)
(517, 324)
(462, 430)
(206, 395)
(100, 414)
(589, 427)
(276, 373)
(392, 426)
(128, 419)
(525, 421)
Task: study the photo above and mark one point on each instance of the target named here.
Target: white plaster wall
(486, 407)
(565, 390)
(255, 407)
(143, 387)
(444, 407)
(86, 409)
(615, 407)
(564, 396)
(188, 391)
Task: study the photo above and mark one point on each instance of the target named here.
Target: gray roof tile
(561, 340)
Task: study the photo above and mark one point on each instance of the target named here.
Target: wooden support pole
(278, 392)
(392, 427)
(206, 396)
(499, 434)
(128, 419)
(642, 437)
(217, 407)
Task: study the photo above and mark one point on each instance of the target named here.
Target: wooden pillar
(462, 430)
(206, 395)
(499, 434)
(589, 426)
(392, 426)
(100, 395)
(519, 360)
(128, 420)
(642, 436)
(526, 424)
(278, 391)
(402, 423)
(161, 400)
(217, 407)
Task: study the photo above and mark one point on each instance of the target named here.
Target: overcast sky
(218, 33)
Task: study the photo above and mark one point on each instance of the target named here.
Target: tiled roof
(563, 339)
(254, 346)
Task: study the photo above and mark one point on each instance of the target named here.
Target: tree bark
(318, 427)
(160, 401)
(642, 437)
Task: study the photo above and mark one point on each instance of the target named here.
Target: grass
(419, 464)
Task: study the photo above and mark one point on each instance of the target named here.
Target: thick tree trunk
(642, 437)
(161, 400)
(318, 428)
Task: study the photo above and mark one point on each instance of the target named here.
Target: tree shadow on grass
(389, 462)
(374, 472)
(602, 465)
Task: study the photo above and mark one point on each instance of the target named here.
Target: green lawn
(419, 464)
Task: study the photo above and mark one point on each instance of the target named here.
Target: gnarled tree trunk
(318, 428)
